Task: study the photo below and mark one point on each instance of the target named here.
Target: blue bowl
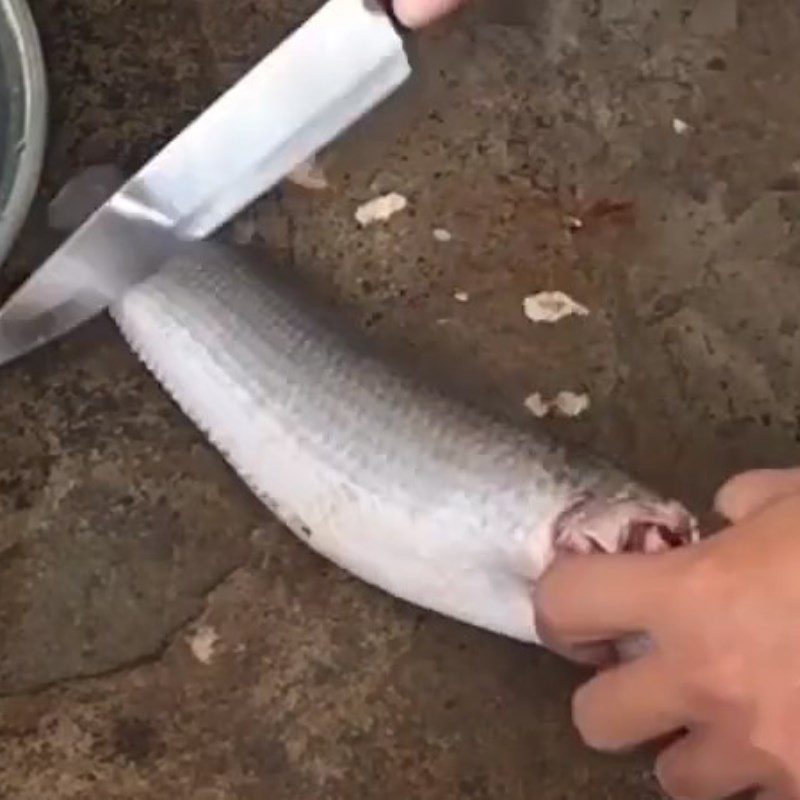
(23, 117)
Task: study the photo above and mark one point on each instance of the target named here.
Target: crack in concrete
(143, 660)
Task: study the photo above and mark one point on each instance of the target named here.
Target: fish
(410, 489)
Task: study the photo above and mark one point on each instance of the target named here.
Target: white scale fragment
(380, 209)
(680, 127)
(551, 307)
(309, 175)
(461, 297)
(565, 404)
(537, 405)
(202, 644)
(571, 404)
(442, 235)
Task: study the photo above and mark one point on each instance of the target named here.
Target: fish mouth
(623, 524)
(627, 523)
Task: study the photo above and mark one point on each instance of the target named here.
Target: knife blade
(341, 63)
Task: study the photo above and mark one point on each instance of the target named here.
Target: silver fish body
(405, 488)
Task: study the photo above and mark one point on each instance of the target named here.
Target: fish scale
(404, 487)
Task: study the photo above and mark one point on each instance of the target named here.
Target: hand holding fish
(721, 679)
(416, 13)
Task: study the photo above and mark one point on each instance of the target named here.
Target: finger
(599, 597)
(784, 787)
(595, 654)
(777, 794)
(416, 13)
(702, 766)
(774, 794)
(628, 706)
(750, 492)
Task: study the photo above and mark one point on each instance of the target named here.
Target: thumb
(416, 13)
(750, 492)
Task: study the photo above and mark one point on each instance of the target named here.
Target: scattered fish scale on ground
(552, 307)
(380, 209)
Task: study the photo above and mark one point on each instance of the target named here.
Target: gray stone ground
(123, 535)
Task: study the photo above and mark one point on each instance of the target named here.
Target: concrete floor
(122, 534)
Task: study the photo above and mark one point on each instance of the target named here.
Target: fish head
(628, 521)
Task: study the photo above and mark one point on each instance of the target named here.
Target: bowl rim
(29, 162)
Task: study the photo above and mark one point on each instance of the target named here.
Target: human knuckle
(675, 779)
(548, 608)
(586, 720)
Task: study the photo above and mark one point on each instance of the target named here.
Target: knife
(340, 64)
